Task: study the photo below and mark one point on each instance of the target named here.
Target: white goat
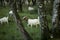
(33, 22)
(30, 8)
(4, 19)
(11, 13)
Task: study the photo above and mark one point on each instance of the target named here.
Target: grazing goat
(33, 22)
(4, 19)
(30, 8)
(11, 13)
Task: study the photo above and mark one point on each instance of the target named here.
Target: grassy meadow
(10, 31)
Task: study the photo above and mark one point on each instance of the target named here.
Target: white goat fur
(30, 8)
(4, 19)
(33, 22)
(11, 13)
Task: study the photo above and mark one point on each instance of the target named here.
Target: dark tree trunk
(1, 3)
(19, 23)
(10, 3)
(28, 2)
(20, 5)
(59, 15)
(34, 2)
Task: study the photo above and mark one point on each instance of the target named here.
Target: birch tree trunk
(19, 23)
(55, 17)
(44, 30)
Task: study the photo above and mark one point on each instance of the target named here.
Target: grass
(10, 31)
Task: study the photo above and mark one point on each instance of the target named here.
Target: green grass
(11, 31)
(34, 32)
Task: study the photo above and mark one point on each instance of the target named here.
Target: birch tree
(44, 30)
(55, 17)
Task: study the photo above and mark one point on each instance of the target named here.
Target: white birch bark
(54, 16)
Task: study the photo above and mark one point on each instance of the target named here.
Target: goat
(4, 19)
(30, 8)
(11, 13)
(33, 22)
